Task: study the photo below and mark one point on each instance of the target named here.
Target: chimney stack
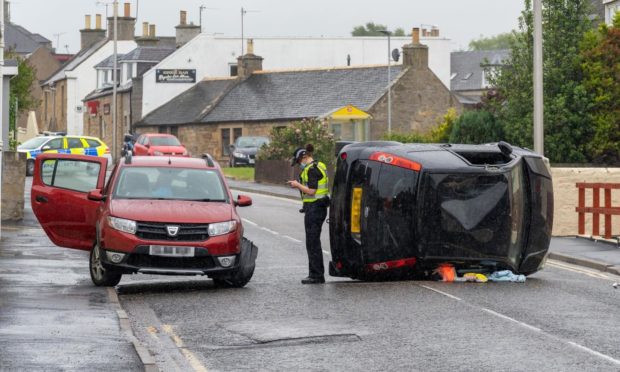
(152, 32)
(434, 32)
(185, 32)
(98, 22)
(90, 36)
(415, 55)
(145, 29)
(249, 63)
(126, 25)
(7, 12)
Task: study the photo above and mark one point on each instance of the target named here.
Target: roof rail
(209, 159)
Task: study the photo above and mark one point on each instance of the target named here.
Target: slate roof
(22, 41)
(191, 105)
(147, 54)
(75, 61)
(301, 94)
(109, 62)
(466, 70)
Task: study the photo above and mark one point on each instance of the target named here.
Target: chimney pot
(183, 20)
(416, 35)
(98, 21)
(127, 10)
(152, 31)
(435, 32)
(145, 29)
(250, 47)
(87, 22)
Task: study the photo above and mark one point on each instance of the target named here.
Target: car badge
(172, 230)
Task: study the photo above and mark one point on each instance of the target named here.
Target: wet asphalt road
(563, 318)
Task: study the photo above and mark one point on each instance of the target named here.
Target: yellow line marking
(191, 358)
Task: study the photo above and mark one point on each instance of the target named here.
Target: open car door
(59, 197)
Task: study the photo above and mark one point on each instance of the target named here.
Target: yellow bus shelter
(349, 123)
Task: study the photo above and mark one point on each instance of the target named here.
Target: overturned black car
(402, 209)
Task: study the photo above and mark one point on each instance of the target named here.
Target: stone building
(209, 116)
(469, 79)
(65, 89)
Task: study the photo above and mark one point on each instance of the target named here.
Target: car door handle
(41, 199)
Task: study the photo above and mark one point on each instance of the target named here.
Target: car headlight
(222, 228)
(158, 153)
(123, 225)
(239, 155)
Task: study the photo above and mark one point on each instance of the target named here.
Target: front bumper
(245, 160)
(140, 261)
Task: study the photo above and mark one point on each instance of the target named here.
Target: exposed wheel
(98, 274)
(237, 280)
(30, 167)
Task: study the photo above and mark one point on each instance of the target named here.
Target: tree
(20, 97)
(600, 55)
(372, 29)
(567, 103)
(476, 127)
(499, 41)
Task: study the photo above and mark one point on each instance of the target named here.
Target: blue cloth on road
(506, 276)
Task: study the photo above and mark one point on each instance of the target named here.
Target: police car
(58, 143)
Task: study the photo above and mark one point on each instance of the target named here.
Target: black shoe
(311, 280)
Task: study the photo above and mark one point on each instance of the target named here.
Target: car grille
(157, 262)
(188, 232)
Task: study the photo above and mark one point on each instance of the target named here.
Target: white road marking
(441, 292)
(270, 231)
(249, 222)
(506, 317)
(292, 239)
(531, 328)
(326, 253)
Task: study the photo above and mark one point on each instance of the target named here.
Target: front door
(59, 197)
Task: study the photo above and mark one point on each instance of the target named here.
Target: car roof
(167, 161)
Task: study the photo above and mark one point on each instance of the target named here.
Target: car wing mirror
(243, 201)
(148, 146)
(96, 195)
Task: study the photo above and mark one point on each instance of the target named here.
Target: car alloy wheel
(98, 274)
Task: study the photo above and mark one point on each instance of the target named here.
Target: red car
(155, 215)
(156, 144)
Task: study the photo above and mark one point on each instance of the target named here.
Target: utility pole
(202, 9)
(539, 142)
(114, 78)
(1, 98)
(243, 13)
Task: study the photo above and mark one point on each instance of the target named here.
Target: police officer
(313, 186)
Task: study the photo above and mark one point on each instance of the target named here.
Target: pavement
(598, 254)
(53, 318)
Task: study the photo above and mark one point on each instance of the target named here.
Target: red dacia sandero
(155, 215)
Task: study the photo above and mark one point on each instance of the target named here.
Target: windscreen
(252, 141)
(164, 141)
(170, 184)
(33, 143)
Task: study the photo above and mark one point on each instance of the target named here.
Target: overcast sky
(459, 20)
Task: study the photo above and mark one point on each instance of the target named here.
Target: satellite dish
(396, 55)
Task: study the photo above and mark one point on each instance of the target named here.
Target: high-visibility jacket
(322, 190)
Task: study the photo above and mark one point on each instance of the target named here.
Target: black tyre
(100, 276)
(243, 274)
(30, 167)
(238, 280)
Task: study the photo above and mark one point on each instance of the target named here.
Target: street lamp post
(539, 143)
(114, 78)
(389, 81)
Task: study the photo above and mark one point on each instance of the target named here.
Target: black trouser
(313, 222)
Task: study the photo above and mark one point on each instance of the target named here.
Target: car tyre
(30, 167)
(237, 280)
(100, 276)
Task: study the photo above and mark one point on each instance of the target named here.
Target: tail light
(386, 158)
(356, 210)
(389, 265)
(107, 150)
(343, 156)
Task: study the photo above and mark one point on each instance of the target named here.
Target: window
(237, 132)
(74, 143)
(55, 144)
(128, 71)
(77, 175)
(234, 70)
(162, 130)
(225, 140)
(63, 102)
(165, 141)
(174, 131)
(92, 142)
